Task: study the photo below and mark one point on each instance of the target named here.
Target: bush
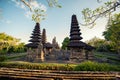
(40, 66)
(94, 66)
(84, 66)
(3, 58)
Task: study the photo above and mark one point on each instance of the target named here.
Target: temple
(78, 49)
(35, 47)
(39, 50)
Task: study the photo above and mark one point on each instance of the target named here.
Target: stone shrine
(77, 48)
(35, 47)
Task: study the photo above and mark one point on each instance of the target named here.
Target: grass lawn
(111, 58)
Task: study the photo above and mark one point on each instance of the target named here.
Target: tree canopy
(9, 44)
(38, 14)
(65, 43)
(112, 32)
(90, 16)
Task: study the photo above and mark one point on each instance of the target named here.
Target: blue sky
(17, 23)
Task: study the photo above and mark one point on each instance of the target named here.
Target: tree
(44, 39)
(90, 16)
(10, 44)
(65, 43)
(112, 32)
(101, 44)
(38, 14)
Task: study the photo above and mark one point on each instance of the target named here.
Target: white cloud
(28, 14)
(23, 6)
(33, 4)
(6, 21)
(43, 7)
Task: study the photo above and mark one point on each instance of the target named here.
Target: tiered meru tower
(77, 47)
(35, 47)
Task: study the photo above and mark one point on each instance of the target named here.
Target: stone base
(77, 57)
(34, 55)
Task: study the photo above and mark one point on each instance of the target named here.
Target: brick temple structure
(79, 51)
(35, 47)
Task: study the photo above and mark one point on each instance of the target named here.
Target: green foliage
(94, 66)
(38, 15)
(9, 44)
(41, 66)
(65, 43)
(84, 66)
(54, 3)
(3, 58)
(112, 32)
(105, 10)
(101, 44)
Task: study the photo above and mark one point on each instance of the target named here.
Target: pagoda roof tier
(48, 45)
(38, 34)
(76, 44)
(35, 37)
(37, 27)
(75, 37)
(34, 40)
(74, 29)
(80, 44)
(37, 31)
(75, 26)
(88, 47)
(39, 37)
(32, 45)
(75, 33)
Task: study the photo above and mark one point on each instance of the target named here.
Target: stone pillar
(40, 52)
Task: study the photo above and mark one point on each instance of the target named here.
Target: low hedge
(39, 66)
(3, 58)
(84, 66)
(94, 66)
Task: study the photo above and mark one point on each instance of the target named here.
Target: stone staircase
(28, 74)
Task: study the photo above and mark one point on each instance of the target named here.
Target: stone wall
(37, 55)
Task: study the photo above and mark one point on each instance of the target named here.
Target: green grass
(84, 66)
(18, 55)
(9, 57)
(107, 55)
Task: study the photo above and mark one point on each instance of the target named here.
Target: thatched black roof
(81, 45)
(35, 38)
(32, 45)
(75, 36)
(48, 45)
(78, 44)
(88, 47)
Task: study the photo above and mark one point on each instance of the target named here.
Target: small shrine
(79, 51)
(35, 47)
